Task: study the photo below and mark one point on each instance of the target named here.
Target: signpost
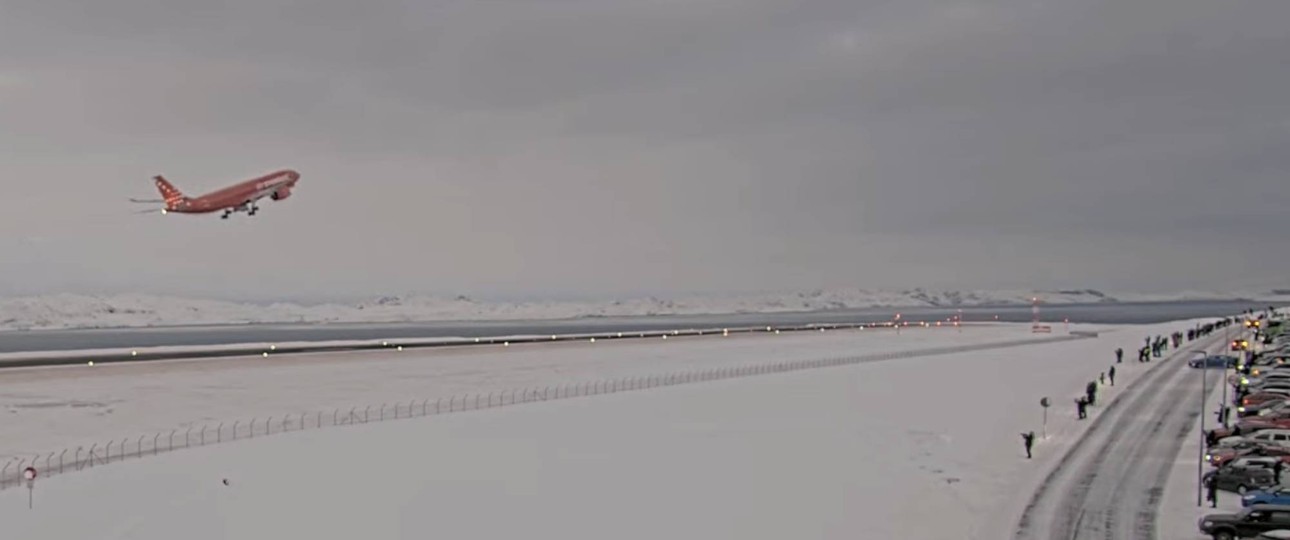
(1044, 403)
(30, 474)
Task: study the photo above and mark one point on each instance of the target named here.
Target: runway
(128, 338)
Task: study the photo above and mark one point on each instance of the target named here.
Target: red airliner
(240, 197)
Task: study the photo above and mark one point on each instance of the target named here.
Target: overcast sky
(603, 147)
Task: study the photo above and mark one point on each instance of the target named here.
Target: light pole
(1200, 451)
(1221, 412)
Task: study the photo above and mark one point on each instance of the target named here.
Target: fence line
(68, 460)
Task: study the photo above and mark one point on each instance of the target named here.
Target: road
(1109, 484)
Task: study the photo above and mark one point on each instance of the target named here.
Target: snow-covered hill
(134, 310)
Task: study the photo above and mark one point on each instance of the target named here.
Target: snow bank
(134, 310)
(864, 451)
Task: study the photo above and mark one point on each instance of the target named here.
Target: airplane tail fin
(168, 191)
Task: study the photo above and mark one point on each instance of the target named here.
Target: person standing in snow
(1111, 372)
(1080, 405)
(1119, 355)
(1029, 440)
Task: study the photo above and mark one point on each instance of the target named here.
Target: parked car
(1258, 409)
(1242, 477)
(1277, 495)
(1246, 523)
(1260, 397)
(1221, 455)
(1217, 361)
(1258, 424)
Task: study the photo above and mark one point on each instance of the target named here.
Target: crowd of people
(1154, 347)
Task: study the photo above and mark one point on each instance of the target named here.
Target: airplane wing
(147, 201)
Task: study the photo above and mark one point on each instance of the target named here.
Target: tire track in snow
(1109, 483)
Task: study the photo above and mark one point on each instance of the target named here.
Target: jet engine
(281, 193)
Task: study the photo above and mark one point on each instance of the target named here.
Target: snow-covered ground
(47, 409)
(915, 448)
(83, 311)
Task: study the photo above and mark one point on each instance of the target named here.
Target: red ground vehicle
(1260, 397)
(1220, 456)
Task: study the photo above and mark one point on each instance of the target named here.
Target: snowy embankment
(81, 311)
(914, 448)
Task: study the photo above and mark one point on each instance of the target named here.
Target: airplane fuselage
(235, 198)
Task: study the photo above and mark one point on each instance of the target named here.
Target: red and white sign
(29, 473)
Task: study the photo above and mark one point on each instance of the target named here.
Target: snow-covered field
(47, 409)
(914, 448)
(82, 311)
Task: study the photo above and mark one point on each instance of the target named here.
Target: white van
(1279, 437)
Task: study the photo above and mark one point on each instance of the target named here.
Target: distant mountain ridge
(139, 310)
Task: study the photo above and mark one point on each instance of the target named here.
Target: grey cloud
(584, 146)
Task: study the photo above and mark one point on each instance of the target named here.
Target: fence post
(365, 411)
(490, 400)
(436, 405)
(423, 406)
(382, 412)
(251, 432)
(477, 402)
(219, 433)
(60, 462)
(268, 426)
(190, 430)
(203, 443)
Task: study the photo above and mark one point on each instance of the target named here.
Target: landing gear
(226, 214)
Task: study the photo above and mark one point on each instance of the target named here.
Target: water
(1118, 313)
